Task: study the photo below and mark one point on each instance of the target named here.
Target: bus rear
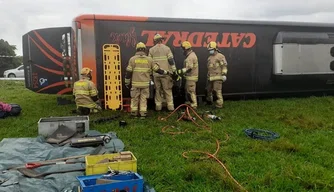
(46, 60)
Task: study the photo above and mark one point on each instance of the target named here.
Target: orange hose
(187, 115)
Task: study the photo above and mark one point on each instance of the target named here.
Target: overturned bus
(264, 57)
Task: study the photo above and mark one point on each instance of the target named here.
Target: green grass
(301, 159)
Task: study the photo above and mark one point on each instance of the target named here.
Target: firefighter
(86, 94)
(217, 71)
(190, 73)
(163, 83)
(139, 71)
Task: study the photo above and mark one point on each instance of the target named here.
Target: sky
(21, 16)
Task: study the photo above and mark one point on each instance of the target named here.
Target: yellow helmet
(85, 71)
(140, 45)
(212, 45)
(157, 37)
(186, 45)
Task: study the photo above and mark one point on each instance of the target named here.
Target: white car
(13, 73)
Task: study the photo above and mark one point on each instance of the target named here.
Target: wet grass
(301, 159)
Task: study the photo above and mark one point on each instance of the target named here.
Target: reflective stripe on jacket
(141, 67)
(160, 53)
(217, 67)
(84, 90)
(191, 62)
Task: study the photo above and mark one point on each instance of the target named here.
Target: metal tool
(36, 164)
(112, 172)
(35, 174)
(95, 152)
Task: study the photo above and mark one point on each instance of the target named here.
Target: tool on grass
(187, 116)
(261, 134)
(48, 161)
(206, 126)
(90, 141)
(35, 174)
(95, 152)
(210, 115)
(29, 172)
(34, 165)
(105, 119)
(122, 123)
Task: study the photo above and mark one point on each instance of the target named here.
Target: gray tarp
(18, 151)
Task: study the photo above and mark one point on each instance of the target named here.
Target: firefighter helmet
(212, 45)
(186, 45)
(157, 37)
(85, 71)
(140, 45)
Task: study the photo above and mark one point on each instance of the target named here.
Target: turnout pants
(190, 88)
(215, 86)
(139, 98)
(163, 88)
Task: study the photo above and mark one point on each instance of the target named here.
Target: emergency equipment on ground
(261, 134)
(9, 110)
(48, 125)
(186, 115)
(27, 164)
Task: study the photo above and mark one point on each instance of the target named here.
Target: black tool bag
(16, 110)
(3, 114)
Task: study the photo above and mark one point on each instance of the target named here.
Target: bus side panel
(42, 60)
(238, 43)
(267, 82)
(88, 51)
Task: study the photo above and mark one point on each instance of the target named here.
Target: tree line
(8, 57)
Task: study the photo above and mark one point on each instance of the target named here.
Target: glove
(224, 78)
(166, 72)
(98, 102)
(178, 78)
(127, 83)
(175, 76)
(179, 72)
(99, 107)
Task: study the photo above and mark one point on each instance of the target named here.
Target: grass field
(302, 159)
